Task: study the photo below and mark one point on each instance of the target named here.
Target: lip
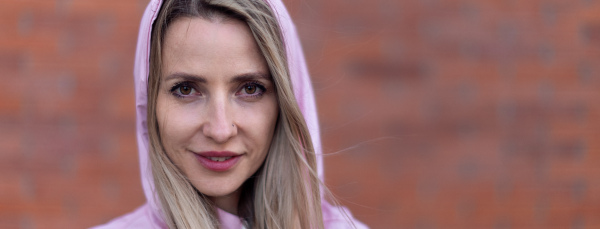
(218, 166)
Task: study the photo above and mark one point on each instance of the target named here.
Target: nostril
(218, 131)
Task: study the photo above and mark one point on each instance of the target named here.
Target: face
(217, 105)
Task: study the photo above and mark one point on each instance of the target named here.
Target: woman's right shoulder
(141, 217)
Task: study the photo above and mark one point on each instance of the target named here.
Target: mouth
(218, 161)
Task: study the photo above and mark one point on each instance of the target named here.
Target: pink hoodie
(148, 215)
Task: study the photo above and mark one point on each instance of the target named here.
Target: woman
(227, 127)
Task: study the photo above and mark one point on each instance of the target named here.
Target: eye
(185, 90)
(250, 89)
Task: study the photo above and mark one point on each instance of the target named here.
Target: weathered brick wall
(459, 114)
(436, 114)
(67, 131)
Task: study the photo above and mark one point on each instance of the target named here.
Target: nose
(219, 126)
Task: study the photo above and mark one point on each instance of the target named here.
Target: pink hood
(148, 215)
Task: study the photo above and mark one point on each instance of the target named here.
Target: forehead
(203, 29)
(216, 46)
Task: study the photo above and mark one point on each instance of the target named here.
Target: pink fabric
(148, 215)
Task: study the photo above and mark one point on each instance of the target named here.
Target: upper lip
(217, 154)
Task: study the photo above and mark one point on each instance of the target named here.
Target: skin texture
(216, 94)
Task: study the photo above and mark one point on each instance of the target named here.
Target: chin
(214, 193)
(215, 190)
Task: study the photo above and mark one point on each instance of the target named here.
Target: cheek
(164, 124)
(260, 123)
(173, 123)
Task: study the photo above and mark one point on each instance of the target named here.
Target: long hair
(284, 192)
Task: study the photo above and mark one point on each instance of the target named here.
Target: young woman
(227, 128)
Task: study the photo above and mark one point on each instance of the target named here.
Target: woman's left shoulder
(339, 217)
(141, 217)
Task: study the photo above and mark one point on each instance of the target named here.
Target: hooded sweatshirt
(149, 215)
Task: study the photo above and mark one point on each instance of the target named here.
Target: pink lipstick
(218, 161)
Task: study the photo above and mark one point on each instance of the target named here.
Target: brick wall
(434, 114)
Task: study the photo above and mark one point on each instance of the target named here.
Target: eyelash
(175, 87)
(257, 84)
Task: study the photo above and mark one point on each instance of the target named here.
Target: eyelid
(178, 85)
(255, 83)
(174, 90)
(184, 83)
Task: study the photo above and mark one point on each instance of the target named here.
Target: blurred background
(434, 114)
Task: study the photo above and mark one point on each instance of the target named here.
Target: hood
(150, 212)
(298, 72)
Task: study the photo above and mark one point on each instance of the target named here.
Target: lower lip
(218, 166)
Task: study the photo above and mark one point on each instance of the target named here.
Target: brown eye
(185, 90)
(250, 89)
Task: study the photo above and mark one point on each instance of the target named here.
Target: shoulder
(344, 224)
(142, 217)
(339, 217)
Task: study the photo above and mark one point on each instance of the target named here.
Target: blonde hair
(284, 192)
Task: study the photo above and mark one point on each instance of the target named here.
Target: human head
(275, 196)
(216, 102)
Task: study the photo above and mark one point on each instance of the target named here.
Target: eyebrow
(250, 76)
(201, 79)
(185, 76)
